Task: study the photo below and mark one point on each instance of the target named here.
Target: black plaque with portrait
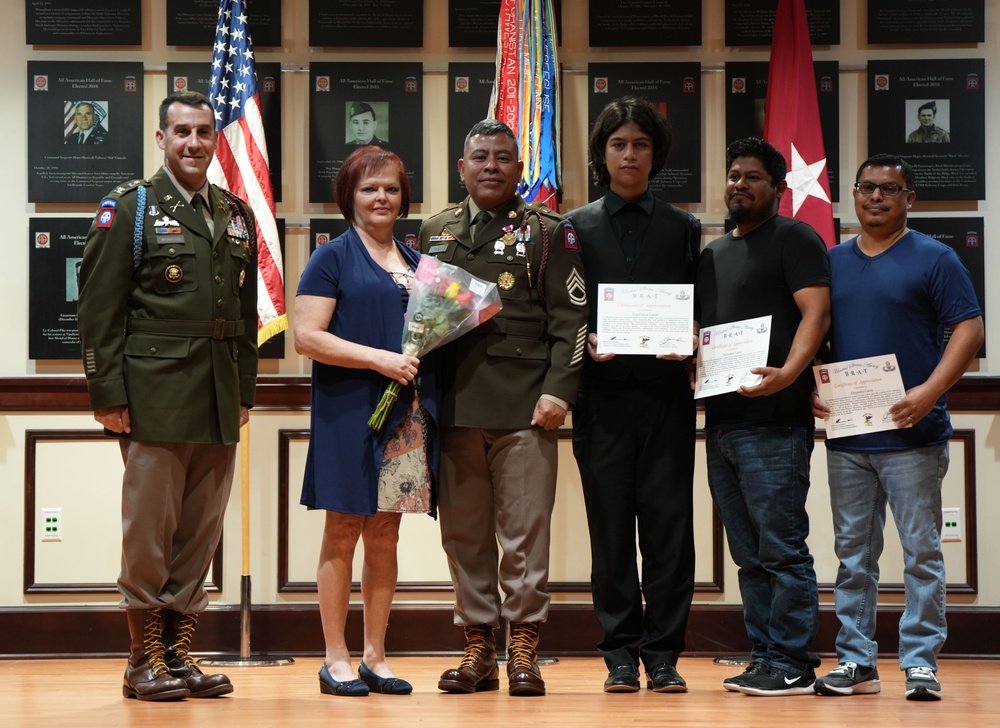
(274, 348)
(55, 250)
(933, 114)
(353, 105)
(324, 229)
(92, 22)
(473, 23)
(84, 129)
(362, 23)
(914, 22)
(626, 23)
(196, 77)
(966, 236)
(751, 22)
(746, 93)
(675, 89)
(193, 22)
(470, 86)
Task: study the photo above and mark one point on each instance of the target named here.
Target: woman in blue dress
(349, 320)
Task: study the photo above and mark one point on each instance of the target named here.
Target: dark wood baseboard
(294, 630)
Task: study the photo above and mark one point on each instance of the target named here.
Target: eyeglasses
(888, 189)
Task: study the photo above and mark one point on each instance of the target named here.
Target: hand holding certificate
(644, 318)
(859, 394)
(727, 354)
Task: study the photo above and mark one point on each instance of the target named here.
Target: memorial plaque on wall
(675, 89)
(324, 229)
(87, 22)
(746, 92)
(473, 23)
(964, 235)
(193, 22)
(85, 129)
(196, 77)
(356, 104)
(367, 24)
(751, 22)
(274, 348)
(651, 23)
(470, 86)
(933, 114)
(54, 256)
(912, 22)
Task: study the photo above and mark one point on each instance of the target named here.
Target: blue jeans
(860, 485)
(759, 478)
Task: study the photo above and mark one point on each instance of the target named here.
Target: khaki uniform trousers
(174, 498)
(498, 485)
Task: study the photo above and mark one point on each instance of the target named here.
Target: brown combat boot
(178, 631)
(523, 675)
(478, 669)
(146, 675)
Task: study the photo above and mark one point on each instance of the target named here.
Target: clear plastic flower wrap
(445, 302)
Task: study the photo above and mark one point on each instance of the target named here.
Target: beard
(740, 214)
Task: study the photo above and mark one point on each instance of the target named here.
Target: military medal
(506, 281)
(173, 273)
(521, 250)
(498, 247)
(509, 238)
(237, 228)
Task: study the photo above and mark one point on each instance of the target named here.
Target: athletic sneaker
(736, 681)
(922, 684)
(848, 678)
(778, 681)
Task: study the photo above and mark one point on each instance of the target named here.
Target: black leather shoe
(384, 685)
(622, 678)
(664, 678)
(352, 688)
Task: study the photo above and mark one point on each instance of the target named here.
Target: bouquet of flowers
(445, 302)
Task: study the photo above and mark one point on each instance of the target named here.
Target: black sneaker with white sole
(922, 684)
(849, 678)
(736, 681)
(778, 681)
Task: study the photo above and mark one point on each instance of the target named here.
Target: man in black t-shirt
(759, 438)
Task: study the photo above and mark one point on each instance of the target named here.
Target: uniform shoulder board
(546, 211)
(129, 186)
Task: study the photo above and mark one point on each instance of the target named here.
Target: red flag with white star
(791, 121)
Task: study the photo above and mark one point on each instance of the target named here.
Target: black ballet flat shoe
(352, 688)
(384, 685)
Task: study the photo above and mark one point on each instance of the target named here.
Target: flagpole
(245, 658)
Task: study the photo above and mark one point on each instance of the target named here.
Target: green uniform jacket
(496, 373)
(174, 340)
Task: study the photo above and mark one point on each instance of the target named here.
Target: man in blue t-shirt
(894, 291)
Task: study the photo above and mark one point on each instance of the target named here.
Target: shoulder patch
(572, 242)
(105, 216)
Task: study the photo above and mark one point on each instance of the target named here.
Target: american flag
(240, 163)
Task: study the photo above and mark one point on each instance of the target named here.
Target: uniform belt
(218, 329)
(531, 329)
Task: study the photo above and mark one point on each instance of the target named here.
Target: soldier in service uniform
(168, 325)
(928, 132)
(508, 386)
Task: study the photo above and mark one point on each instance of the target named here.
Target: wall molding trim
(69, 394)
(415, 629)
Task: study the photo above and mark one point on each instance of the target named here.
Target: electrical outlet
(952, 530)
(52, 524)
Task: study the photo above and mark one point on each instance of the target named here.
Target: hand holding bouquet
(445, 302)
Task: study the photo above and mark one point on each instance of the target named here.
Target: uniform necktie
(199, 206)
(480, 221)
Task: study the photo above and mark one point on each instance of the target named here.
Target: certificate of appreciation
(728, 352)
(859, 394)
(645, 318)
